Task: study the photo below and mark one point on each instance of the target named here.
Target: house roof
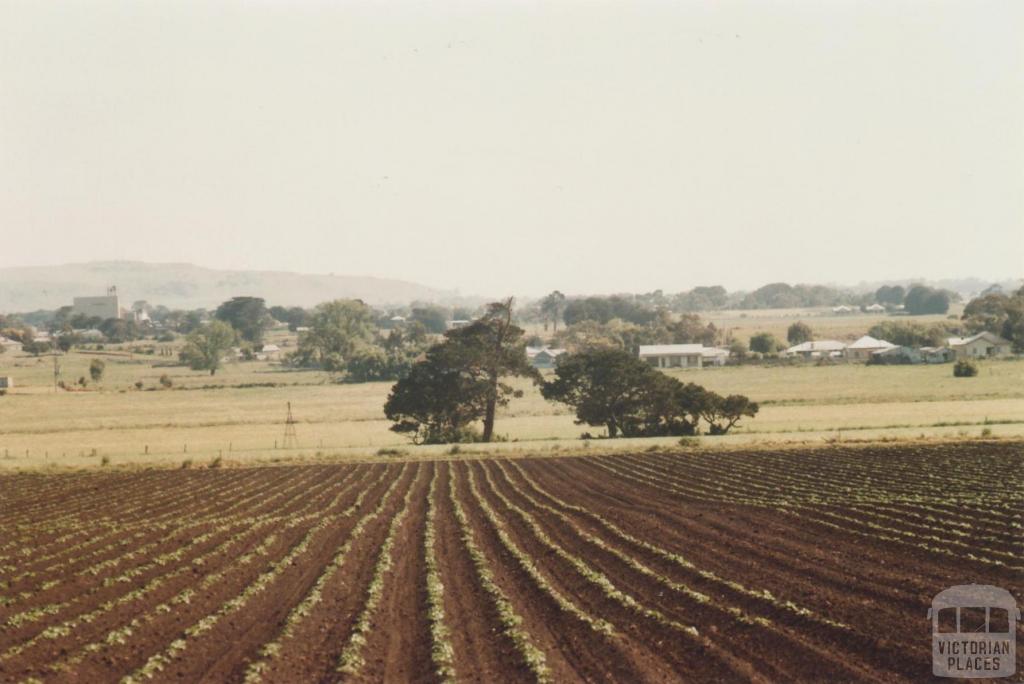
(874, 307)
(869, 342)
(532, 352)
(711, 352)
(670, 349)
(817, 346)
(985, 335)
(894, 350)
(267, 348)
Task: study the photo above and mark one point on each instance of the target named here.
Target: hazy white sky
(519, 146)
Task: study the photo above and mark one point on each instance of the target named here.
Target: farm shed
(6, 382)
(982, 345)
(862, 349)
(543, 357)
(817, 349)
(896, 355)
(938, 354)
(874, 308)
(713, 356)
(271, 351)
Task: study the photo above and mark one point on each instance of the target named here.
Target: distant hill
(184, 286)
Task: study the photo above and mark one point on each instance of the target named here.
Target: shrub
(138, 384)
(390, 451)
(105, 461)
(764, 343)
(965, 368)
(96, 369)
(166, 381)
(186, 464)
(217, 462)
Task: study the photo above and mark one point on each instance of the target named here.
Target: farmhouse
(682, 355)
(817, 349)
(543, 357)
(874, 308)
(982, 345)
(862, 349)
(457, 323)
(8, 344)
(842, 309)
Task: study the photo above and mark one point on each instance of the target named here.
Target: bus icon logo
(974, 632)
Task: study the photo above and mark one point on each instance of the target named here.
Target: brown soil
(858, 536)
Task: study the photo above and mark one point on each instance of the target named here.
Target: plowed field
(794, 565)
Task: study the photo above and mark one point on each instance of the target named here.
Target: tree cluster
(247, 315)
(613, 389)
(661, 329)
(205, 347)
(921, 299)
(605, 309)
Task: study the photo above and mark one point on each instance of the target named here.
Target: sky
(519, 146)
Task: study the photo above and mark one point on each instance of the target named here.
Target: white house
(842, 309)
(862, 349)
(982, 345)
(543, 357)
(874, 308)
(674, 355)
(458, 323)
(817, 349)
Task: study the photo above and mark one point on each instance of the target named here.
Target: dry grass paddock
(239, 412)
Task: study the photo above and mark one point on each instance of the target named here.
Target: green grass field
(239, 413)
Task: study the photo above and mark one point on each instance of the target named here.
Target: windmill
(291, 440)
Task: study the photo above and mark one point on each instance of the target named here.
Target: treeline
(556, 309)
